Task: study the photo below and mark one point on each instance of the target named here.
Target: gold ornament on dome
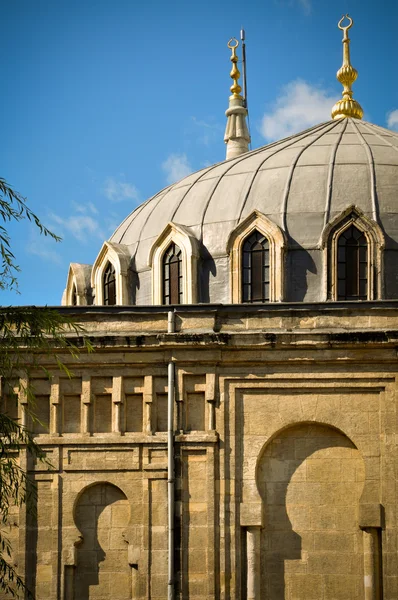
(235, 73)
(347, 106)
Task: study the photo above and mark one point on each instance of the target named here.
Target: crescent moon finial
(346, 27)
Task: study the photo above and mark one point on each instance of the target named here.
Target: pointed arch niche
(99, 557)
(78, 285)
(353, 228)
(310, 477)
(119, 257)
(257, 222)
(186, 242)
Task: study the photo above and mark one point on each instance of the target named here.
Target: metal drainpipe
(170, 463)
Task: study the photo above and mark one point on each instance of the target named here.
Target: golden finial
(234, 74)
(347, 106)
(237, 135)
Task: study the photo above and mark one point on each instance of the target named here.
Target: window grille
(74, 296)
(352, 265)
(109, 285)
(172, 275)
(255, 269)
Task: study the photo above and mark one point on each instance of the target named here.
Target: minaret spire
(347, 106)
(236, 135)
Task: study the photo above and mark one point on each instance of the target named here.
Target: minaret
(236, 135)
(347, 106)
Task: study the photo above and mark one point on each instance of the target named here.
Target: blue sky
(106, 102)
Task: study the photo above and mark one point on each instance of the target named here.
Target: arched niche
(102, 570)
(310, 478)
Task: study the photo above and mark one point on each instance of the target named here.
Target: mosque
(234, 435)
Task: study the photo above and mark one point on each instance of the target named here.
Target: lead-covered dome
(301, 184)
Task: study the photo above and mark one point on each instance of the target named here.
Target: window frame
(375, 244)
(182, 237)
(277, 250)
(166, 266)
(253, 254)
(119, 256)
(109, 285)
(352, 263)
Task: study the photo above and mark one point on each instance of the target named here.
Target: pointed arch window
(172, 275)
(109, 285)
(74, 295)
(257, 254)
(255, 268)
(352, 265)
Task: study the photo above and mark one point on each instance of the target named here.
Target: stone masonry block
(251, 514)
(370, 515)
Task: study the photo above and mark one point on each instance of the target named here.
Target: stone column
(371, 521)
(55, 424)
(117, 400)
(253, 562)
(69, 560)
(251, 519)
(23, 401)
(134, 559)
(371, 563)
(210, 395)
(86, 402)
(148, 397)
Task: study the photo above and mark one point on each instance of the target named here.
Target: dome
(301, 184)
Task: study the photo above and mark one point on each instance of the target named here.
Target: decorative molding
(329, 244)
(187, 242)
(277, 244)
(119, 256)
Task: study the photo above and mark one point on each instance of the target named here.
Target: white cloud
(392, 119)
(85, 208)
(306, 6)
(112, 221)
(176, 166)
(80, 226)
(208, 132)
(299, 106)
(42, 247)
(117, 191)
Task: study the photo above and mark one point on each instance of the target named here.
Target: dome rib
(301, 181)
(294, 139)
(366, 125)
(254, 153)
(329, 185)
(291, 172)
(150, 214)
(205, 172)
(371, 163)
(233, 164)
(137, 212)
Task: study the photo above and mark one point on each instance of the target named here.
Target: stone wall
(285, 460)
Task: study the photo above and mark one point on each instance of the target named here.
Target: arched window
(255, 268)
(74, 295)
(352, 265)
(172, 275)
(109, 285)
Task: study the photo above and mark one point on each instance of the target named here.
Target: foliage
(13, 207)
(30, 337)
(15, 489)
